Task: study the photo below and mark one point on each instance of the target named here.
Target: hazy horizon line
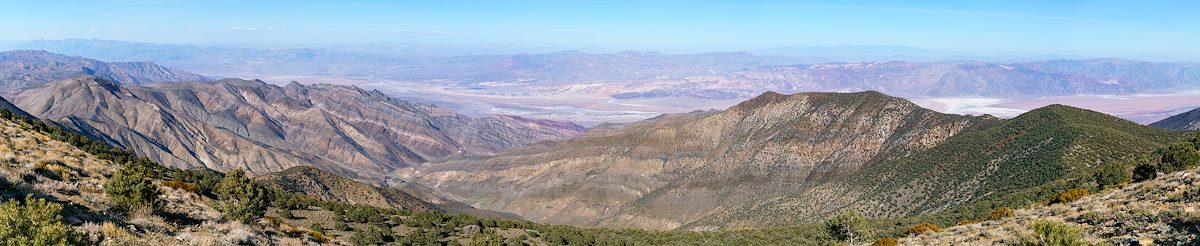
(928, 54)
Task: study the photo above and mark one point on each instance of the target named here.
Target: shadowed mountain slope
(5, 104)
(1189, 120)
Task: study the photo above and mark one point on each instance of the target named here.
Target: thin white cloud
(433, 32)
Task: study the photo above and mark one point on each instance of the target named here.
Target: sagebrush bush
(53, 169)
(284, 213)
(1091, 217)
(180, 185)
(1069, 195)
(340, 225)
(1000, 213)
(1050, 233)
(922, 228)
(129, 188)
(241, 198)
(35, 222)
(887, 241)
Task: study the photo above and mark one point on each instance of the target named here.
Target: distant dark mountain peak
(1189, 120)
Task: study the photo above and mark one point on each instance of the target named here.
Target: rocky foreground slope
(792, 159)
(1162, 211)
(265, 128)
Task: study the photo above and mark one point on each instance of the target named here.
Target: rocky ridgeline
(266, 128)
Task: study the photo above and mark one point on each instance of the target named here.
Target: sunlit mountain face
(599, 123)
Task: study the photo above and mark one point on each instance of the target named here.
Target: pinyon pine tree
(241, 198)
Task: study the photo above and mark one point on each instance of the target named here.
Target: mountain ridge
(676, 157)
(265, 128)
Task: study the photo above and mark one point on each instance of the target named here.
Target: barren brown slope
(669, 171)
(265, 128)
(330, 187)
(326, 186)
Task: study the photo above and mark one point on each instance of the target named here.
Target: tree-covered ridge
(1010, 164)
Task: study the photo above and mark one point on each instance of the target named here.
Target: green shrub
(341, 226)
(887, 241)
(488, 238)
(1000, 213)
(846, 227)
(372, 236)
(204, 181)
(1178, 156)
(130, 188)
(1091, 217)
(1112, 174)
(241, 198)
(36, 222)
(284, 213)
(316, 227)
(1050, 233)
(922, 228)
(1144, 171)
(1069, 195)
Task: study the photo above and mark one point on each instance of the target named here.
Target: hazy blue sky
(1093, 28)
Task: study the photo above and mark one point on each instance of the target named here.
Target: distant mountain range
(947, 79)
(549, 68)
(25, 69)
(787, 159)
(628, 86)
(648, 74)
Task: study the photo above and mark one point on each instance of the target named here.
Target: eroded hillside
(670, 171)
(265, 128)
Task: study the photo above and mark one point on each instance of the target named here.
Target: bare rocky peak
(671, 170)
(263, 128)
